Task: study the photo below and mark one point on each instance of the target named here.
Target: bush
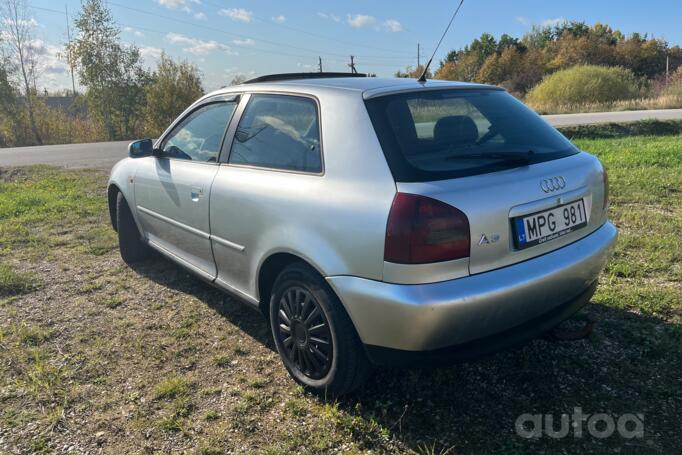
(674, 90)
(585, 84)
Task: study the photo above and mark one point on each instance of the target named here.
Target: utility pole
(68, 34)
(418, 49)
(667, 68)
(319, 64)
(352, 65)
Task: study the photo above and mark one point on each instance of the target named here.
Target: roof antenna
(422, 78)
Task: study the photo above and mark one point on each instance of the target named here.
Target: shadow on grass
(630, 364)
(241, 314)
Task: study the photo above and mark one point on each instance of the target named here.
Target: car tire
(132, 247)
(311, 328)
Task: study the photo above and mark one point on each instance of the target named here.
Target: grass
(105, 358)
(622, 130)
(173, 387)
(663, 101)
(14, 283)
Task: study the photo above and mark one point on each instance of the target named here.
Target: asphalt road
(609, 117)
(104, 155)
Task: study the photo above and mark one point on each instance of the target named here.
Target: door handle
(197, 193)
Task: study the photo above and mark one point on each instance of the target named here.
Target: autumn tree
(519, 64)
(173, 87)
(413, 73)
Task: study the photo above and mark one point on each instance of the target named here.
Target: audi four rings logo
(553, 184)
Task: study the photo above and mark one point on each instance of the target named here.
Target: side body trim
(178, 224)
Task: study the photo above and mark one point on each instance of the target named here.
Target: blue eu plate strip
(520, 231)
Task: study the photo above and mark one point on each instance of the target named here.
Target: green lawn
(96, 356)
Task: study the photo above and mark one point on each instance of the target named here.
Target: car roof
(368, 86)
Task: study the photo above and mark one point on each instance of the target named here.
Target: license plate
(549, 224)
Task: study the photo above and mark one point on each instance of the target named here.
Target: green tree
(8, 106)
(483, 47)
(173, 87)
(111, 72)
(238, 79)
(16, 26)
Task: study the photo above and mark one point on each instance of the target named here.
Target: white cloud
(50, 59)
(133, 31)
(237, 14)
(27, 22)
(361, 20)
(523, 20)
(243, 42)
(183, 5)
(279, 19)
(392, 25)
(175, 4)
(331, 17)
(553, 22)
(149, 53)
(198, 47)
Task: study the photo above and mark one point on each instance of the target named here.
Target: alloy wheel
(304, 333)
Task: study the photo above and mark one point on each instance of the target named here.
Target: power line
(246, 47)
(238, 35)
(317, 35)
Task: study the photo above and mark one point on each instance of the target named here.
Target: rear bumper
(488, 308)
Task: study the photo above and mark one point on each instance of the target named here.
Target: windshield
(434, 135)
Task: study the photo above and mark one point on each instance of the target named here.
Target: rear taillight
(606, 191)
(422, 230)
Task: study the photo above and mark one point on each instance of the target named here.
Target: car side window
(199, 136)
(279, 132)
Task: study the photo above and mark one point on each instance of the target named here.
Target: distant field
(97, 356)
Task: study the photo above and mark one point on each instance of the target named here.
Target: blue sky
(254, 37)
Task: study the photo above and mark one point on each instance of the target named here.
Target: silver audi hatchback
(373, 221)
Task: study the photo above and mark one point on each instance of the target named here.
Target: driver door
(172, 188)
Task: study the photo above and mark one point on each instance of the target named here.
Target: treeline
(520, 64)
(121, 99)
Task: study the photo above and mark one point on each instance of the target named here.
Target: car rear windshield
(444, 134)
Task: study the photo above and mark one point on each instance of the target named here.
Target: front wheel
(313, 334)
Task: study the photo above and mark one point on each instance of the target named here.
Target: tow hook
(563, 333)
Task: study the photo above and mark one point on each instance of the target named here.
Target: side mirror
(141, 148)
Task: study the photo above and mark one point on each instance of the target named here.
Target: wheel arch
(268, 271)
(112, 195)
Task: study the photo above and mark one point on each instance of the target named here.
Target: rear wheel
(313, 334)
(132, 247)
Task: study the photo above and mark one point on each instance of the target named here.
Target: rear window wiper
(512, 157)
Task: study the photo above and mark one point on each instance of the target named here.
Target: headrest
(455, 129)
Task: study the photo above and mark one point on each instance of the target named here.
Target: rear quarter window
(279, 132)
